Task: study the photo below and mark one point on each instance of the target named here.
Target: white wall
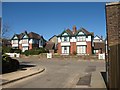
(31, 41)
(81, 43)
(73, 39)
(89, 38)
(65, 43)
(59, 40)
(14, 45)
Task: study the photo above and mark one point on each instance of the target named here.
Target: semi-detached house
(27, 41)
(75, 41)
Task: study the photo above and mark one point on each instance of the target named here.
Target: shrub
(35, 51)
(26, 52)
(6, 49)
(74, 53)
(9, 64)
(16, 50)
(10, 50)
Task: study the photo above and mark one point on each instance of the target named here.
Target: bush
(35, 51)
(6, 49)
(16, 50)
(74, 53)
(10, 50)
(9, 64)
(26, 52)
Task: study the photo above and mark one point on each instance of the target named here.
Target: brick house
(27, 41)
(75, 42)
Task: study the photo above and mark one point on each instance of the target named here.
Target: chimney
(74, 29)
(102, 37)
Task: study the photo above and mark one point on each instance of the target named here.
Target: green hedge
(10, 50)
(35, 51)
(9, 64)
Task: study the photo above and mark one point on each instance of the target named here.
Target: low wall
(13, 54)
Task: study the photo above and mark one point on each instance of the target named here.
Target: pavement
(20, 74)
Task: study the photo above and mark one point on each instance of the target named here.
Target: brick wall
(113, 34)
(73, 48)
(20, 46)
(30, 46)
(89, 48)
(113, 23)
(59, 48)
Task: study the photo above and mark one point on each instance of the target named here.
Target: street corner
(18, 75)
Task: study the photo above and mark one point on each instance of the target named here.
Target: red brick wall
(20, 46)
(30, 46)
(59, 48)
(73, 48)
(89, 48)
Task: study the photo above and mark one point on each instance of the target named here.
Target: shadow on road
(104, 75)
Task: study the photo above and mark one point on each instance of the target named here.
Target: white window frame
(65, 49)
(81, 38)
(65, 39)
(81, 49)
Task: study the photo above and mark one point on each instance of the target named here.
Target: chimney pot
(74, 29)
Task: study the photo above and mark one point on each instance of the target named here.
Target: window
(65, 39)
(25, 41)
(15, 41)
(81, 38)
(81, 49)
(65, 50)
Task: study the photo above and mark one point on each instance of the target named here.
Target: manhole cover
(85, 80)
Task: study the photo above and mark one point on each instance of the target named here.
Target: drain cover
(85, 80)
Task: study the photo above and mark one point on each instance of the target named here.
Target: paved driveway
(60, 73)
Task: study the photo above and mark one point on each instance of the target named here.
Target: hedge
(9, 64)
(35, 51)
(10, 50)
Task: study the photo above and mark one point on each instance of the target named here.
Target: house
(54, 40)
(98, 45)
(75, 42)
(27, 41)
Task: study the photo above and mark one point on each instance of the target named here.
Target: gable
(81, 33)
(25, 36)
(96, 37)
(64, 34)
(15, 37)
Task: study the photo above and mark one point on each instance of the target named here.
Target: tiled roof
(30, 35)
(85, 31)
(99, 45)
(70, 32)
(34, 35)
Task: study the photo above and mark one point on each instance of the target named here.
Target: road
(58, 73)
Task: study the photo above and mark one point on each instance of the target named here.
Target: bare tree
(5, 31)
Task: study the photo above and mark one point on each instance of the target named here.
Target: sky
(52, 18)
